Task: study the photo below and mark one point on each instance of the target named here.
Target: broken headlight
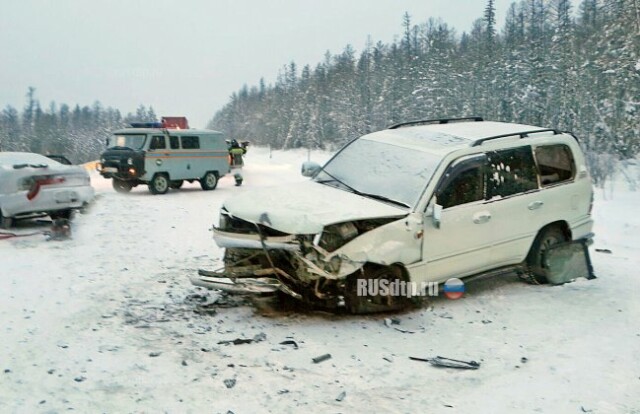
(337, 235)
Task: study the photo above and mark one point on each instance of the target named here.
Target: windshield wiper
(337, 180)
(360, 193)
(383, 198)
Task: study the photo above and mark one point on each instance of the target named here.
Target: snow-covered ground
(109, 322)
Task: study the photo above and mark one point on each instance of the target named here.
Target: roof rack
(437, 121)
(523, 134)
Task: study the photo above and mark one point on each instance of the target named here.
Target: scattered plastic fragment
(321, 358)
(449, 362)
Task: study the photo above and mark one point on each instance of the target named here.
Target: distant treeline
(550, 66)
(79, 133)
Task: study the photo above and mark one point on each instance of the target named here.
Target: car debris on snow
(239, 341)
(448, 362)
(321, 358)
(389, 322)
(290, 342)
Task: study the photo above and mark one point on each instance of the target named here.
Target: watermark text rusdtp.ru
(453, 288)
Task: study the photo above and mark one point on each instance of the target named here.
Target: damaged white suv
(422, 201)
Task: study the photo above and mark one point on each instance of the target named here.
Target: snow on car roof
(12, 158)
(444, 138)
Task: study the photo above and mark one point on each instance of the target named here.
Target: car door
(157, 155)
(516, 204)
(457, 244)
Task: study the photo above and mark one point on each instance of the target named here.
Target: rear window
(555, 164)
(511, 172)
(190, 142)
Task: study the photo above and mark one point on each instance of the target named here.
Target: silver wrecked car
(34, 185)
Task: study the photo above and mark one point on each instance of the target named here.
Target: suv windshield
(380, 170)
(133, 141)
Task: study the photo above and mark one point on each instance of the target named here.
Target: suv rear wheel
(159, 184)
(547, 237)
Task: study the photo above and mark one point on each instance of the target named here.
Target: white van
(164, 158)
(422, 201)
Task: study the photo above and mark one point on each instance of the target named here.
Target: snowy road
(105, 322)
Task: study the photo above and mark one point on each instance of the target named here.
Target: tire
(121, 186)
(159, 184)
(371, 304)
(176, 184)
(209, 181)
(62, 214)
(5, 222)
(548, 236)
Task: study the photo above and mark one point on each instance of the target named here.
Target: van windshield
(133, 141)
(380, 170)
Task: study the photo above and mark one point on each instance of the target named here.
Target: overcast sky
(187, 57)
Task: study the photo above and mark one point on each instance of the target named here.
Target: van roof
(447, 137)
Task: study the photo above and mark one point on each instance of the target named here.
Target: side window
(157, 142)
(190, 142)
(511, 172)
(555, 163)
(174, 142)
(464, 182)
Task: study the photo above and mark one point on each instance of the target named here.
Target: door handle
(535, 205)
(481, 217)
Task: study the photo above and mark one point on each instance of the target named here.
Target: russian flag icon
(454, 288)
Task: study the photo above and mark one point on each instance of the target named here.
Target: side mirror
(434, 210)
(437, 215)
(309, 168)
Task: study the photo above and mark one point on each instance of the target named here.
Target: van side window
(157, 142)
(174, 142)
(555, 164)
(464, 183)
(190, 142)
(511, 172)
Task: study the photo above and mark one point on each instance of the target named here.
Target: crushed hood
(307, 207)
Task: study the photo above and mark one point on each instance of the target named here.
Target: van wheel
(121, 186)
(209, 181)
(159, 184)
(359, 304)
(547, 237)
(176, 184)
(5, 222)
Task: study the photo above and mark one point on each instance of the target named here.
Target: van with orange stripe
(162, 157)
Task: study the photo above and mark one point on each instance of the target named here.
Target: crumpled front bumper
(254, 241)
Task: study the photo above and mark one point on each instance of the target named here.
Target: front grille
(237, 225)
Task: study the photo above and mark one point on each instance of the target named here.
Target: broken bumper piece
(242, 283)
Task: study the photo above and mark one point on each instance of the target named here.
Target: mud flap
(568, 261)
